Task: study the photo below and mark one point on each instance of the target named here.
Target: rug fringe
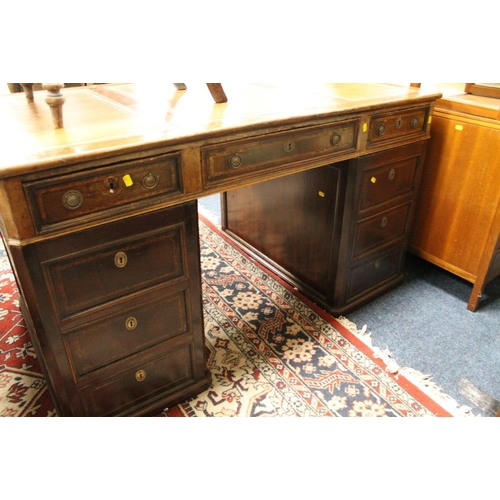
(420, 380)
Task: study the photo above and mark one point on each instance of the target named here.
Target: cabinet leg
(475, 295)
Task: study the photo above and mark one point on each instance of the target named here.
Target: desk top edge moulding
(100, 223)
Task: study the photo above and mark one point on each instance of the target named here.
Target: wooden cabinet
(457, 224)
(339, 233)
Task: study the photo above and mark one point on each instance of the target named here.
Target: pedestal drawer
(144, 379)
(101, 273)
(374, 272)
(131, 331)
(379, 230)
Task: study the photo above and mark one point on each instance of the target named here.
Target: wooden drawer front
(375, 272)
(126, 333)
(389, 181)
(227, 160)
(107, 272)
(381, 229)
(396, 125)
(143, 379)
(90, 193)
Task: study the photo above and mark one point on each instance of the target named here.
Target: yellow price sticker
(320, 193)
(459, 127)
(127, 180)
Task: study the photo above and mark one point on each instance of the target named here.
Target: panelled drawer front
(366, 276)
(396, 125)
(382, 184)
(237, 158)
(105, 273)
(70, 197)
(131, 331)
(381, 229)
(145, 378)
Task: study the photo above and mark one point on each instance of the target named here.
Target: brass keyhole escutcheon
(121, 259)
(392, 174)
(131, 323)
(399, 123)
(140, 375)
(289, 146)
(112, 184)
(377, 264)
(384, 221)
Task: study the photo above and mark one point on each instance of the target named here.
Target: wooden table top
(105, 119)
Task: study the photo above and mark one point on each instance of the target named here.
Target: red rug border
(401, 380)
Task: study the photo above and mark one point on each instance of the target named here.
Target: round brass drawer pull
(381, 129)
(121, 259)
(384, 221)
(72, 199)
(335, 139)
(131, 323)
(149, 181)
(392, 174)
(414, 122)
(140, 375)
(235, 161)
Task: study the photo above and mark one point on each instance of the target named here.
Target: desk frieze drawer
(248, 156)
(396, 125)
(68, 198)
(143, 379)
(124, 334)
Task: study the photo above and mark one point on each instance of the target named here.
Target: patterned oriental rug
(272, 353)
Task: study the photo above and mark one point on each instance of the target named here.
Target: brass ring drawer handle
(335, 139)
(72, 199)
(235, 161)
(121, 259)
(149, 181)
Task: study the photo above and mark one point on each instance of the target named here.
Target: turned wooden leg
(217, 92)
(55, 100)
(28, 91)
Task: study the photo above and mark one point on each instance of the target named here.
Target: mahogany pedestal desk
(100, 223)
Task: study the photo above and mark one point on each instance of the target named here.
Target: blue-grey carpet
(426, 325)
